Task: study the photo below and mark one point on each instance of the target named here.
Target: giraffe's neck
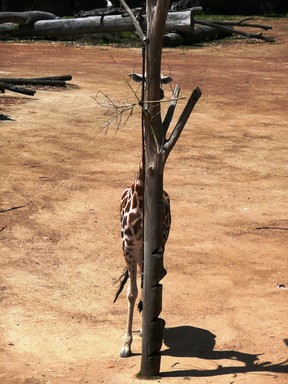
(139, 181)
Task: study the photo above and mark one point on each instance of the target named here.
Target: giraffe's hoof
(125, 352)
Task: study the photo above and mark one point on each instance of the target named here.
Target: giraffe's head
(163, 80)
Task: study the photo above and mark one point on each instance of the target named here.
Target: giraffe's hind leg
(132, 294)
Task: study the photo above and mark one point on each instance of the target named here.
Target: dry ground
(227, 252)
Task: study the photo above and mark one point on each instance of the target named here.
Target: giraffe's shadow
(188, 341)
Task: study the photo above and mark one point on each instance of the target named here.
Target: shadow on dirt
(187, 341)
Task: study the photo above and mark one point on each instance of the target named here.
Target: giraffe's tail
(123, 280)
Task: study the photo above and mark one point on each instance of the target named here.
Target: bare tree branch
(242, 23)
(12, 88)
(224, 28)
(134, 20)
(117, 109)
(12, 208)
(156, 14)
(168, 146)
(171, 109)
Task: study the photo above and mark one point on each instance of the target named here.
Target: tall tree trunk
(156, 149)
(152, 325)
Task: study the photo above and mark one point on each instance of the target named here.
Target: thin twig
(242, 23)
(275, 228)
(235, 31)
(118, 109)
(124, 78)
(12, 208)
(165, 101)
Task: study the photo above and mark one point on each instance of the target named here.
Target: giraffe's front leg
(132, 296)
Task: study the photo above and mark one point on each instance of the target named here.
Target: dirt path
(227, 252)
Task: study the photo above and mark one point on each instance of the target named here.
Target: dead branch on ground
(12, 88)
(226, 27)
(12, 208)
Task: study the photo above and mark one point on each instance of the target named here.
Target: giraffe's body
(131, 215)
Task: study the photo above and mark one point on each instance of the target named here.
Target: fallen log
(120, 11)
(181, 21)
(180, 25)
(12, 88)
(16, 80)
(25, 18)
(200, 34)
(209, 30)
(54, 81)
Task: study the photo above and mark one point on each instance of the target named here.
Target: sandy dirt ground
(225, 294)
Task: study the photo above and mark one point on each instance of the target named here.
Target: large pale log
(181, 21)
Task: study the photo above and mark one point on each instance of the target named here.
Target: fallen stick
(12, 208)
(224, 28)
(276, 228)
(12, 88)
(242, 23)
(50, 80)
(52, 83)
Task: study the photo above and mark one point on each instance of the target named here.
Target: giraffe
(131, 217)
(138, 78)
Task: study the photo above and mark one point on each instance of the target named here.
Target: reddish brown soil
(227, 252)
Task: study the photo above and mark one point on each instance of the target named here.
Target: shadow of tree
(187, 341)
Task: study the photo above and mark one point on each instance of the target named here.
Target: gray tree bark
(182, 21)
(157, 149)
